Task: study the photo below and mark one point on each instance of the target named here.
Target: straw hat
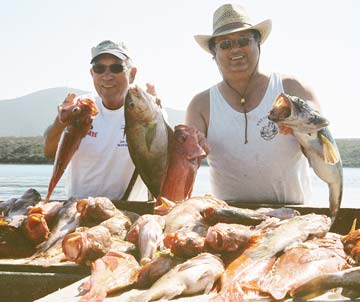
(230, 18)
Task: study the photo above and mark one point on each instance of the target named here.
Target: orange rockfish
(186, 149)
(241, 278)
(78, 122)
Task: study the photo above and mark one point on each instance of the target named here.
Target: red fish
(240, 280)
(186, 149)
(302, 263)
(78, 122)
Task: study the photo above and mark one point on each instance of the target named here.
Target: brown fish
(78, 123)
(147, 137)
(186, 150)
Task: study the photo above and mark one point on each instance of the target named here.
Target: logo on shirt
(268, 129)
(122, 142)
(91, 132)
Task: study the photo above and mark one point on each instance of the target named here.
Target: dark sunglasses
(241, 42)
(114, 68)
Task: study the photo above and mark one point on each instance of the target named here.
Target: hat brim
(114, 52)
(263, 27)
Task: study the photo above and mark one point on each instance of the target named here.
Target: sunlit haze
(47, 44)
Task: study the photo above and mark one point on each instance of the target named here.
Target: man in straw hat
(249, 160)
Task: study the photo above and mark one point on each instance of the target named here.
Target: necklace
(242, 103)
(243, 100)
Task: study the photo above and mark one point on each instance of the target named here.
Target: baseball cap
(118, 50)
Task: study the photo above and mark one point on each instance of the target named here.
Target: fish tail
(335, 191)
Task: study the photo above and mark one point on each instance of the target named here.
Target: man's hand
(285, 130)
(150, 89)
(66, 107)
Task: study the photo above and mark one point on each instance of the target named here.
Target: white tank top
(270, 168)
(102, 165)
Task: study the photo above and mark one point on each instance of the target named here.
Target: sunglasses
(114, 68)
(229, 44)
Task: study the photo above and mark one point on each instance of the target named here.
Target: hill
(28, 150)
(31, 114)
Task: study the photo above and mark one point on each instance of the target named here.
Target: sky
(46, 44)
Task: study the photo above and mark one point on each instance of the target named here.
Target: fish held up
(294, 115)
(147, 137)
(77, 116)
(187, 147)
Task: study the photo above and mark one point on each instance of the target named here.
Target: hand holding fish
(65, 108)
(317, 143)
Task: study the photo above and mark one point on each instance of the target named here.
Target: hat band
(231, 26)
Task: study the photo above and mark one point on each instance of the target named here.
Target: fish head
(191, 141)
(139, 104)
(296, 114)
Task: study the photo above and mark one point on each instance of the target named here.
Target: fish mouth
(281, 109)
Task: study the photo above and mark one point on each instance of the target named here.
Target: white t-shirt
(269, 168)
(102, 165)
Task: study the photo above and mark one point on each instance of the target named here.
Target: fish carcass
(147, 234)
(310, 129)
(303, 262)
(78, 122)
(196, 275)
(147, 136)
(13, 242)
(114, 271)
(240, 280)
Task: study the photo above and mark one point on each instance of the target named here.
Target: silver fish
(310, 129)
(348, 279)
(147, 137)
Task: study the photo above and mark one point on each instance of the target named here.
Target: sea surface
(16, 179)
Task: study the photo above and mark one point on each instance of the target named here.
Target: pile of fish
(200, 246)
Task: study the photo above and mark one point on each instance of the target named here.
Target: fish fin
(150, 134)
(330, 152)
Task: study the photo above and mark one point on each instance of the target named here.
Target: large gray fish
(348, 279)
(310, 129)
(147, 137)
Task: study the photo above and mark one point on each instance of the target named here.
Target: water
(16, 179)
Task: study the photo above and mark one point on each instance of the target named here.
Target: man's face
(111, 78)
(236, 52)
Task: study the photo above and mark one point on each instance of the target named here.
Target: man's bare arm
(198, 111)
